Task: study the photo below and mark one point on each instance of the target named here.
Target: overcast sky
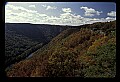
(60, 13)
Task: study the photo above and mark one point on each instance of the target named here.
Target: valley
(21, 41)
(60, 51)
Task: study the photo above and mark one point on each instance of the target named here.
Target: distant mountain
(23, 38)
(85, 51)
(37, 32)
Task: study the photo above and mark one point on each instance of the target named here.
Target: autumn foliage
(79, 52)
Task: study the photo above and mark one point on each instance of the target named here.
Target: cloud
(70, 16)
(20, 8)
(71, 19)
(74, 20)
(49, 7)
(67, 10)
(112, 13)
(90, 11)
(23, 15)
(44, 5)
(110, 19)
(32, 6)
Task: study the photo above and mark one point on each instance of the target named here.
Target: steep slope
(21, 39)
(37, 32)
(83, 52)
(17, 47)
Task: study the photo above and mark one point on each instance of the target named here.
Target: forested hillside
(37, 32)
(15, 45)
(84, 51)
(21, 39)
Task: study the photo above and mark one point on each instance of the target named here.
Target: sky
(60, 13)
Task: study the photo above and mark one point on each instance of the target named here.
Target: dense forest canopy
(23, 39)
(82, 51)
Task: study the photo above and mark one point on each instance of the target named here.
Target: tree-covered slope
(21, 39)
(37, 32)
(16, 45)
(76, 52)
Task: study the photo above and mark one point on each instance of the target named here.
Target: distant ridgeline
(78, 51)
(21, 39)
(37, 32)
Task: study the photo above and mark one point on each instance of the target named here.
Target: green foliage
(105, 65)
(23, 39)
(97, 43)
(15, 44)
(74, 53)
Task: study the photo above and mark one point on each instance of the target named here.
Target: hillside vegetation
(85, 51)
(22, 39)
